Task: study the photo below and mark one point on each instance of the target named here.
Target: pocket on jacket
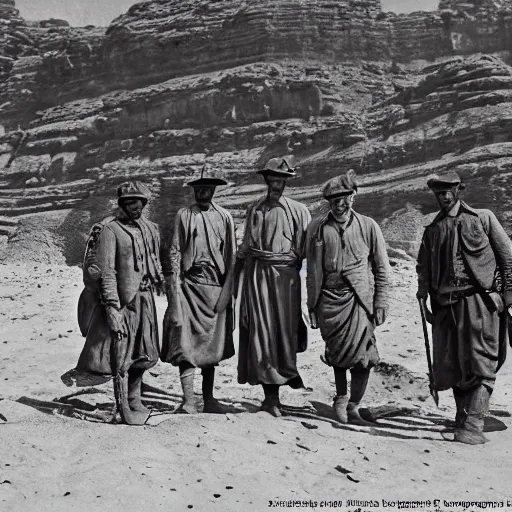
(473, 237)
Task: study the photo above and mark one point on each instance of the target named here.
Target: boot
(460, 402)
(189, 405)
(358, 386)
(135, 390)
(354, 418)
(478, 406)
(340, 408)
(211, 404)
(271, 403)
(121, 393)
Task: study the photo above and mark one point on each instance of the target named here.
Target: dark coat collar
(464, 208)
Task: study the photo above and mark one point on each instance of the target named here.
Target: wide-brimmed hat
(208, 178)
(340, 186)
(133, 190)
(283, 166)
(444, 181)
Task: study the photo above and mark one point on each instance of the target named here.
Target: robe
(348, 277)
(272, 330)
(199, 323)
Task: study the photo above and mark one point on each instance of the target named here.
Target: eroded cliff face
(171, 85)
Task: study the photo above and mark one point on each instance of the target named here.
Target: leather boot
(211, 404)
(460, 402)
(340, 408)
(478, 406)
(189, 405)
(135, 390)
(121, 393)
(271, 403)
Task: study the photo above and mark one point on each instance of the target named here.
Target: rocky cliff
(173, 84)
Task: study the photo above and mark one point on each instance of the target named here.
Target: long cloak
(129, 269)
(199, 323)
(272, 330)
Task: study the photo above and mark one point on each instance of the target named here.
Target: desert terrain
(62, 450)
(171, 86)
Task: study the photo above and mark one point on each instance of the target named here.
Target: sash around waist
(335, 281)
(287, 258)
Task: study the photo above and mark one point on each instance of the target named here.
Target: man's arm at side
(107, 246)
(380, 268)
(107, 263)
(242, 251)
(502, 247)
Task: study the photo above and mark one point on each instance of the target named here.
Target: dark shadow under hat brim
(207, 182)
(336, 195)
(437, 183)
(133, 196)
(281, 174)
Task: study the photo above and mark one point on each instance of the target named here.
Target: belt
(289, 259)
(463, 293)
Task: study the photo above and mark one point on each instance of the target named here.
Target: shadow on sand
(98, 405)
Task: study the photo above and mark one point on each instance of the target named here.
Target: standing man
(457, 261)
(117, 313)
(198, 323)
(344, 249)
(272, 330)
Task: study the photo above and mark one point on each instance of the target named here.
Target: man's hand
(380, 316)
(115, 321)
(313, 321)
(510, 314)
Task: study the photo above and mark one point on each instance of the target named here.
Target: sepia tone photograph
(255, 255)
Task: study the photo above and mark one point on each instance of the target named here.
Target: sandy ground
(56, 454)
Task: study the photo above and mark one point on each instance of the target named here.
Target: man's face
(275, 186)
(204, 195)
(447, 197)
(133, 207)
(340, 206)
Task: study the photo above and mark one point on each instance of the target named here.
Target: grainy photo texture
(255, 255)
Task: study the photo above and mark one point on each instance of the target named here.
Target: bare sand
(60, 451)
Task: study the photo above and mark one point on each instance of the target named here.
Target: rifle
(432, 384)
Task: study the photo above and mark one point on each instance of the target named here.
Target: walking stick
(432, 384)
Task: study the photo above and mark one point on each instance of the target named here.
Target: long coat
(123, 261)
(272, 330)
(198, 323)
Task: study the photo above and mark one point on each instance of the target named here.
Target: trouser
(358, 383)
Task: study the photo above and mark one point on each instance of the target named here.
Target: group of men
(201, 271)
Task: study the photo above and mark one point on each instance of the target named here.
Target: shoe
(189, 404)
(340, 408)
(135, 390)
(187, 407)
(128, 416)
(213, 406)
(272, 408)
(354, 418)
(478, 406)
(467, 437)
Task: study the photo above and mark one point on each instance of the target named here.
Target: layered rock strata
(173, 85)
